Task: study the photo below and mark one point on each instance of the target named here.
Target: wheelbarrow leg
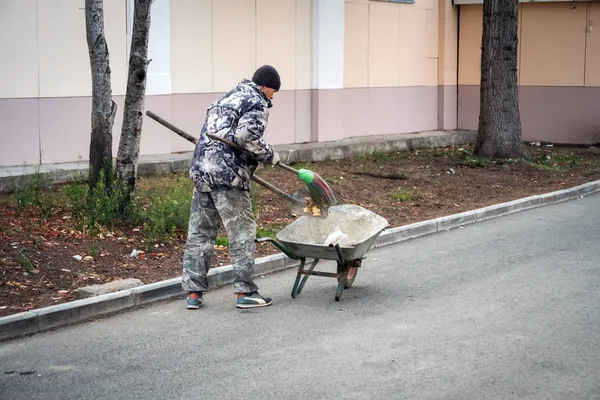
(312, 266)
(342, 270)
(299, 285)
(298, 276)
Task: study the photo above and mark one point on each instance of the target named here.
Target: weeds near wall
(160, 212)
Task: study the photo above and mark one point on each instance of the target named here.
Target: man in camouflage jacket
(221, 177)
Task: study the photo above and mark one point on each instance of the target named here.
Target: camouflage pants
(208, 210)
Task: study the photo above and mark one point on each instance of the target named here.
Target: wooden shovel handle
(192, 139)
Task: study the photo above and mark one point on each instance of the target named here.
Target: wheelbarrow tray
(305, 237)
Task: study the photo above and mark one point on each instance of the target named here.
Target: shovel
(298, 204)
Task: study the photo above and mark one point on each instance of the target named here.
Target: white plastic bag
(337, 237)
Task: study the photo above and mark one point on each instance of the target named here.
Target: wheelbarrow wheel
(350, 274)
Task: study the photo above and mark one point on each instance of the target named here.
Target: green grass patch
(407, 195)
(222, 241)
(165, 212)
(473, 161)
(265, 231)
(24, 260)
(33, 195)
(159, 209)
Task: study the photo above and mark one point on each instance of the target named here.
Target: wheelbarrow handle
(278, 245)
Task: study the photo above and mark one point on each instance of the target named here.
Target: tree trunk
(133, 114)
(499, 132)
(104, 108)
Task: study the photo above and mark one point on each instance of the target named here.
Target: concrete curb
(46, 318)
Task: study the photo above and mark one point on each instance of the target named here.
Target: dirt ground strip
(38, 267)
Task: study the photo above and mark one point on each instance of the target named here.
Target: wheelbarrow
(309, 237)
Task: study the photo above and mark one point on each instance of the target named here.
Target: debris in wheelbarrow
(356, 229)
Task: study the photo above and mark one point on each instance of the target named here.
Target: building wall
(199, 49)
(348, 68)
(390, 67)
(45, 78)
(558, 71)
(216, 43)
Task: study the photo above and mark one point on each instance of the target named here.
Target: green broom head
(306, 176)
(320, 192)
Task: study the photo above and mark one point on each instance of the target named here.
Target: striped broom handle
(237, 146)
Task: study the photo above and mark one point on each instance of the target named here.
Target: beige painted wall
(234, 41)
(391, 44)
(592, 67)
(18, 49)
(552, 45)
(303, 45)
(45, 51)
(64, 66)
(469, 49)
(191, 46)
(216, 43)
(213, 44)
(356, 45)
(447, 43)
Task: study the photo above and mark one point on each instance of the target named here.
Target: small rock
(114, 286)
(78, 257)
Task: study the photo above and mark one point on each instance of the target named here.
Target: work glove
(276, 158)
(252, 168)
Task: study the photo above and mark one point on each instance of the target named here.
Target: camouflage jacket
(241, 116)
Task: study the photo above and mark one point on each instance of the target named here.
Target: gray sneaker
(194, 300)
(252, 300)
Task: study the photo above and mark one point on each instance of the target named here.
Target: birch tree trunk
(104, 108)
(133, 112)
(499, 132)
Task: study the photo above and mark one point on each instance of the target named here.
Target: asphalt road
(505, 309)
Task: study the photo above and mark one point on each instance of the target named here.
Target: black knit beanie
(267, 76)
